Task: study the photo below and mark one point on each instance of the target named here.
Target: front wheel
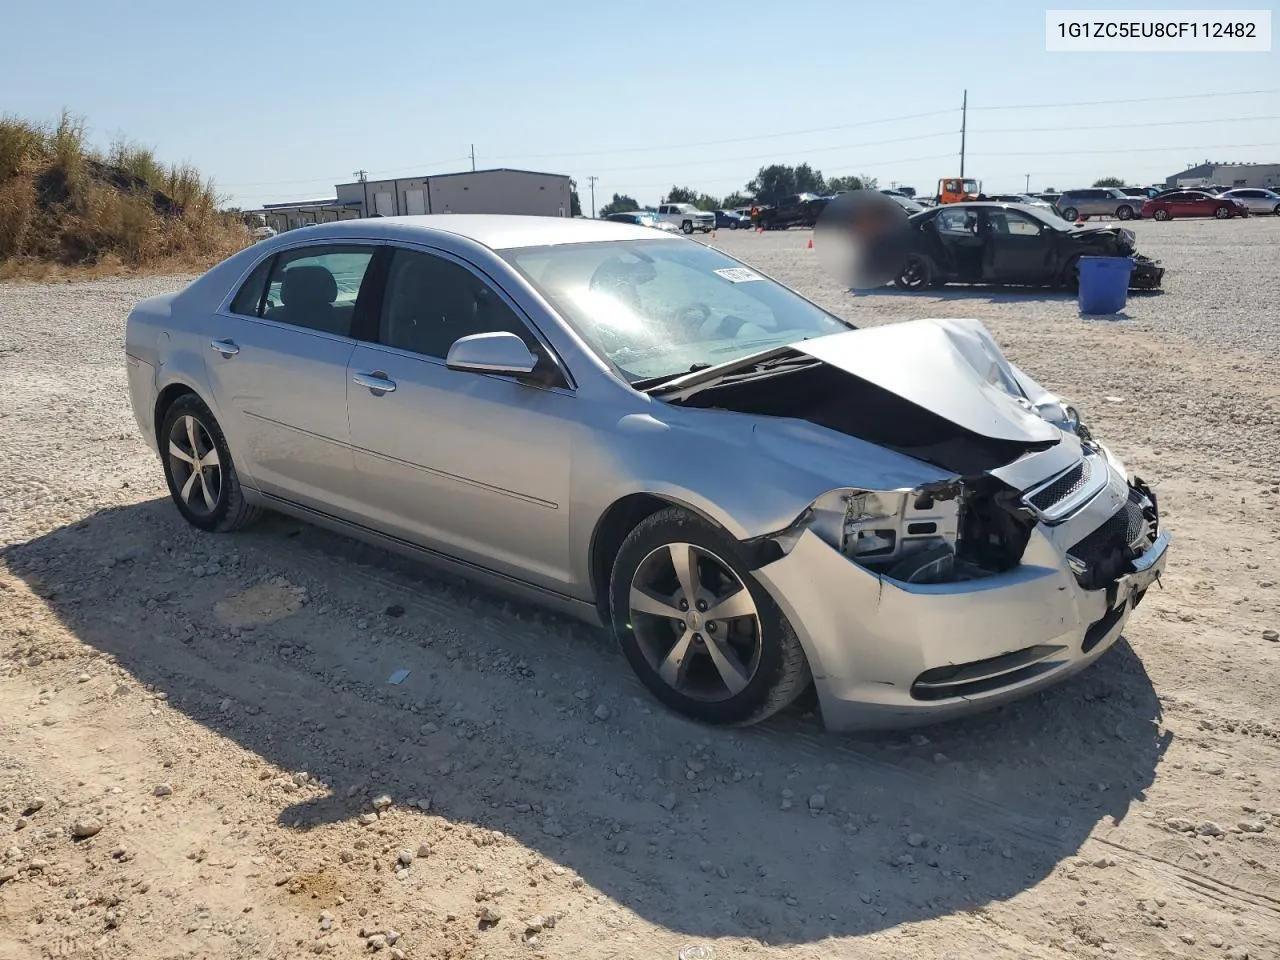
(1161, 215)
(1071, 275)
(1222, 213)
(687, 226)
(199, 470)
(698, 629)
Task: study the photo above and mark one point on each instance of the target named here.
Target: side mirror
(501, 353)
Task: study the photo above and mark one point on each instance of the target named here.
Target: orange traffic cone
(713, 234)
(811, 243)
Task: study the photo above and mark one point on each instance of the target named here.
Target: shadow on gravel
(517, 721)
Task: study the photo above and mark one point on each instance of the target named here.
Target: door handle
(225, 347)
(377, 382)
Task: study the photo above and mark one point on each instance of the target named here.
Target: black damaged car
(1007, 243)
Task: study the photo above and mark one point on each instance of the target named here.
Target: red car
(1192, 203)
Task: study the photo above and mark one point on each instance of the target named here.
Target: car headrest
(308, 286)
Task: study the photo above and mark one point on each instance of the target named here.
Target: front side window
(1012, 223)
(657, 308)
(431, 302)
(315, 287)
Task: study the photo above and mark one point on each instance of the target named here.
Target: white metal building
(500, 190)
(1264, 175)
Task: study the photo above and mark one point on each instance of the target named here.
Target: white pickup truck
(687, 217)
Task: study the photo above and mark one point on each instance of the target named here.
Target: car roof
(495, 231)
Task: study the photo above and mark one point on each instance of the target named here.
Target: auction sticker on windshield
(738, 274)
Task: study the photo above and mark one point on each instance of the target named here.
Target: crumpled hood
(951, 367)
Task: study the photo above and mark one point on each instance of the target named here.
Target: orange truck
(958, 189)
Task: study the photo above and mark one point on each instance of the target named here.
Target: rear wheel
(698, 629)
(199, 470)
(916, 275)
(1070, 213)
(1223, 213)
(1161, 215)
(1125, 213)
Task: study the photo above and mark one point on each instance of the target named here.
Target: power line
(773, 155)
(1130, 126)
(716, 143)
(1103, 103)
(1114, 152)
(335, 178)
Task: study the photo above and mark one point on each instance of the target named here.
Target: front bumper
(887, 654)
(1147, 274)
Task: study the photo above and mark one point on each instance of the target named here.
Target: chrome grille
(1063, 487)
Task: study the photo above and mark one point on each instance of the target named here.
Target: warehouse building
(1265, 175)
(500, 190)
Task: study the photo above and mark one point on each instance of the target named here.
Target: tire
(1124, 213)
(1162, 215)
(1071, 274)
(1070, 214)
(733, 225)
(918, 274)
(1276, 211)
(687, 227)
(1223, 213)
(214, 499)
(768, 669)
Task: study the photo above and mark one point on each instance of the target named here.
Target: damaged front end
(937, 533)
(1007, 559)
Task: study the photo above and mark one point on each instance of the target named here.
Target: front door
(473, 465)
(1016, 250)
(277, 365)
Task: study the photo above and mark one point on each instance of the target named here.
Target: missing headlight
(934, 534)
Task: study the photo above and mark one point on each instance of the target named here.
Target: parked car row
(1131, 203)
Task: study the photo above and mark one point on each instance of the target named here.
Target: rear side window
(248, 301)
(317, 287)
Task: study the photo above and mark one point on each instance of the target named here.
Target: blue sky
(280, 100)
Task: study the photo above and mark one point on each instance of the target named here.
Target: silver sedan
(752, 495)
(1258, 200)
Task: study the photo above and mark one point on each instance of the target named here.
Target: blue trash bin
(1104, 284)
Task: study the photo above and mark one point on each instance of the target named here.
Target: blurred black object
(862, 239)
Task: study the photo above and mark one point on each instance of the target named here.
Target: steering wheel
(692, 314)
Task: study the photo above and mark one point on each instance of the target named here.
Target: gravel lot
(202, 756)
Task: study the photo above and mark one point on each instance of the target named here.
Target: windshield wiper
(760, 368)
(650, 382)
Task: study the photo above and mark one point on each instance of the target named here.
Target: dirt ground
(201, 754)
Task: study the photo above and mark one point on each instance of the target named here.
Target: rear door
(277, 365)
(473, 465)
(957, 229)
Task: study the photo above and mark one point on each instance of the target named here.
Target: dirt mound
(62, 203)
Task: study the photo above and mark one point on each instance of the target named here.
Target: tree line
(768, 186)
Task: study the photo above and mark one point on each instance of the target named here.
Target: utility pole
(592, 181)
(473, 158)
(964, 118)
(363, 177)
(1028, 190)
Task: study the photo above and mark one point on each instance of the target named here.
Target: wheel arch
(626, 513)
(166, 398)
